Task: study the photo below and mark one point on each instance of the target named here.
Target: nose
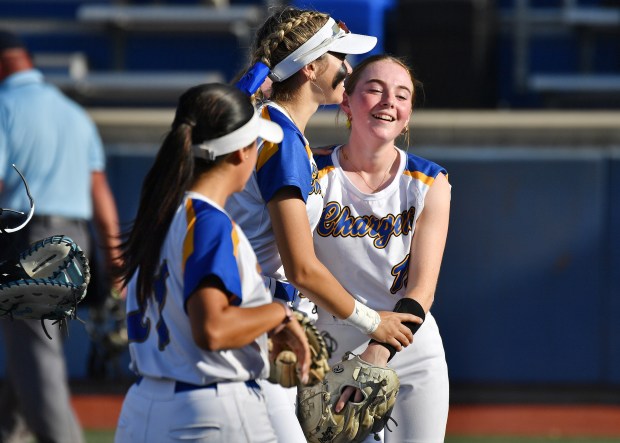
(388, 99)
(348, 66)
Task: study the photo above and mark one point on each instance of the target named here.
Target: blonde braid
(301, 33)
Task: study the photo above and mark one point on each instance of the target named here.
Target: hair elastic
(253, 79)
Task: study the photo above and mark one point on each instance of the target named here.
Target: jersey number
(400, 272)
(139, 326)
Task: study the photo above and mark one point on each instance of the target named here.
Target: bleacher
(513, 53)
(564, 53)
(133, 54)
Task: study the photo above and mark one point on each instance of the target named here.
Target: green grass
(99, 436)
(108, 437)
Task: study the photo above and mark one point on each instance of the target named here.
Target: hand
(348, 393)
(294, 338)
(392, 330)
(376, 354)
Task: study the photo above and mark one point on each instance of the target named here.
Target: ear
(310, 71)
(237, 157)
(346, 108)
(245, 152)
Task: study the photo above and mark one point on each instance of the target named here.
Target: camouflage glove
(315, 404)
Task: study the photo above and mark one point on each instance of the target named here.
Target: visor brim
(270, 131)
(353, 44)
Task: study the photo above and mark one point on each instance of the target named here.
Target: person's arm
(106, 222)
(304, 270)
(425, 256)
(429, 243)
(217, 325)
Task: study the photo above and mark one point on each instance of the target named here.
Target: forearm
(424, 296)
(316, 283)
(236, 327)
(428, 244)
(302, 267)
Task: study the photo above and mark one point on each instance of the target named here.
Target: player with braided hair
(303, 52)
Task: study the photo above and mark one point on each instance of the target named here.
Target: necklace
(358, 172)
(290, 115)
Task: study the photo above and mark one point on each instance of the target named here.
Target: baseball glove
(46, 281)
(315, 404)
(283, 367)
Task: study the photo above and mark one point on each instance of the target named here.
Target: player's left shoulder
(210, 217)
(422, 168)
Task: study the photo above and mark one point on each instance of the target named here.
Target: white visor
(239, 138)
(333, 36)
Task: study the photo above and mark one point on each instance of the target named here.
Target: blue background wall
(528, 292)
(530, 287)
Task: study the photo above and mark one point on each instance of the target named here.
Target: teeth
(387, 118)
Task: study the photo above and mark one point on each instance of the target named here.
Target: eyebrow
(376, 80)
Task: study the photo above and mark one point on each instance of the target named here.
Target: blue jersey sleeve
(211, 244)
(323, 161)
(424, 166)
(286, 163)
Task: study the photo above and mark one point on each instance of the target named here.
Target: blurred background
(521, 103)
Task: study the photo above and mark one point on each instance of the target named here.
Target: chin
(338, 97)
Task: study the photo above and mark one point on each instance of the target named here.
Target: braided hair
(281, 34)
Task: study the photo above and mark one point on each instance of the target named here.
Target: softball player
(382, 234)
(197, 307)
(304, 53)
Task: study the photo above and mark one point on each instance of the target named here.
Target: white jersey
(365, 239)
(288, 163)
(202, 240)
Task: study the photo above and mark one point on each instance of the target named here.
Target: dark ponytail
(203, 113)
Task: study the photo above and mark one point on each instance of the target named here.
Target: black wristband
(408, 306)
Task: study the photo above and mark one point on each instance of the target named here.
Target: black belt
(181, 386)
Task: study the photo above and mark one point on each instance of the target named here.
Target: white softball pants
(230, 412)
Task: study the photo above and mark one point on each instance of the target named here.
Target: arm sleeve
(284, 164)
(96, 154)
(212, 241)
